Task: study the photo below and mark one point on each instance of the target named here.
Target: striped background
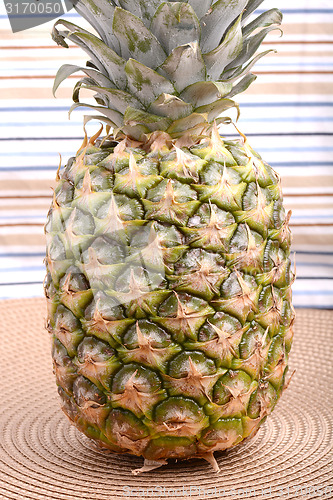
(288, 113)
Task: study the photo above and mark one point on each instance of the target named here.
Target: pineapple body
(169, 301)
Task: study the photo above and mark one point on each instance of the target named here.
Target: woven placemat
(43, 457)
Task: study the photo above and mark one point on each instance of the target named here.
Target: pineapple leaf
(119, 99)
(99, 13)
(250, 7)
(77, 38)
(183, 124)
(83, 83)
(68, 69)
(185, 65)
(217, 20)
(201, 93)
(273, 16)
(146, 83)
(157, 63)
(227, 51)
(214, 109)
(175, 24)
(137, 132)
(136, 41)
(171, 106)
(98, 77)
(100, 99)
(88, 118)
(200, 7)
(71, 29)
(114, 64)
(59, 36)
(242, 85)
(112, 114)
(64, 72)
(141, 8)
(223, 119)
(242, 71)
(103, 58)
(134, 116)
(250, 46)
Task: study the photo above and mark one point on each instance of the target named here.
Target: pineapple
(168, 274)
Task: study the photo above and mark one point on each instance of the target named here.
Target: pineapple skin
(169, 295)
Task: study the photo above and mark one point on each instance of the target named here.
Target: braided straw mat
(43, 457)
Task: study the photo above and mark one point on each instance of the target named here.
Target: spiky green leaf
(242, 85)
(134, 116)
(99, 13)
(273, 16)
(171, 106)
(227, 51)
(59, 37)
(83, 83)
(183, 124)
(216, 108)
(102, 119)
(141, 8)
(114, 64)
(136, 41)
(201, 93)
(250, 46)
(145, 83)
(73, 33)
(112, 114)
(250, 7)
(217, 20)
(118, 99)
(175, 24)
(68, 69)
(184, 66)
(104, 58)
(242, 71)
(200, 7)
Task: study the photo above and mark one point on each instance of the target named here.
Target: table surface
(43, 457)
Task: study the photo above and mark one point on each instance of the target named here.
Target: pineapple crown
(160, 66)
